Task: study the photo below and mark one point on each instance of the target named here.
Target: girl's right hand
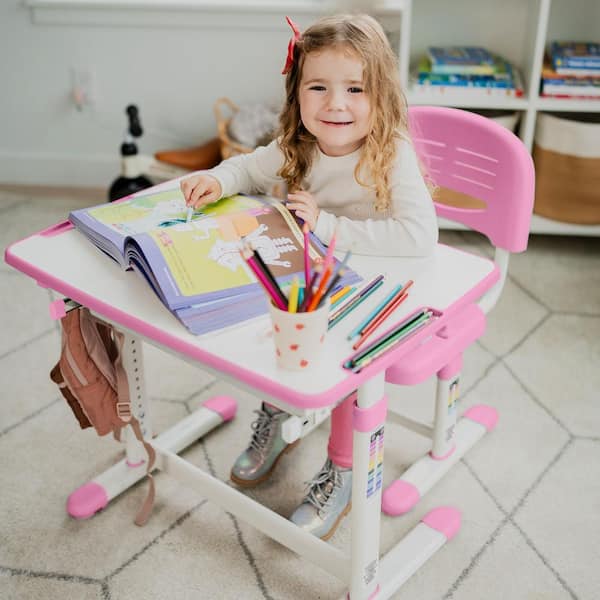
(199, 190)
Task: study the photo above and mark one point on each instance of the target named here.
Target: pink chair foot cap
(87, 500)
(399, 497)
(225, 406)
(484, 415)
(444, 519)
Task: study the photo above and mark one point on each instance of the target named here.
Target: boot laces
(322, 486)
(262, 427)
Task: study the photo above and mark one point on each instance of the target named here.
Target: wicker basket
(566, 153)
(229, 147)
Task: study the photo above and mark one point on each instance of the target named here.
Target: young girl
(344, 152)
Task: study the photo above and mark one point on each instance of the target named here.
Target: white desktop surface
(71, 265)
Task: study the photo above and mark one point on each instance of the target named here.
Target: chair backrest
(473, 155)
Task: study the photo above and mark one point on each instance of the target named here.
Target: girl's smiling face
(333, 104)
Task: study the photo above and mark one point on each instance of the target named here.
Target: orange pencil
(314, 301)
(381, 317)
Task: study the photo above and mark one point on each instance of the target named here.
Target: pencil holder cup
(299, 337)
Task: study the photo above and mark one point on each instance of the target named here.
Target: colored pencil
(343, 298)
(331, 286)
(269, 275)
(362, 292)
(352, 304)
(330, 250)
(389, 343)
(305, 231)
(293, 299)
(249, 257)
(386, 336)
(380, 318)
(365, 322)
(308, 290)
(316, 299)
(340, 294)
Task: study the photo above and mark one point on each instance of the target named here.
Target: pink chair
(473, 155)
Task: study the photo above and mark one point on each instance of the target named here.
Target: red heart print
(293, 346)
(303, 363)
(299, 326)
(276, 328)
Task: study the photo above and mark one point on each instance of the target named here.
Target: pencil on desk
(355, 301)
(381, 346)
(399, 290)
(380, 318)
(340, 294)
(343, 298)
(386, 335)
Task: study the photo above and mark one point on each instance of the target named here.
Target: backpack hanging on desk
(92, 379)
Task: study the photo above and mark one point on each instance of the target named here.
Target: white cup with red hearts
(299, 336)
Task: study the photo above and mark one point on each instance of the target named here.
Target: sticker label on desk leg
(375, 475)
(370, 571)
(452, 401)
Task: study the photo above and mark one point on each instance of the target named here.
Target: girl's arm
(255, 172)
(411, 230)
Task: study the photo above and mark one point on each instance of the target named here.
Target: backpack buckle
(124, 411)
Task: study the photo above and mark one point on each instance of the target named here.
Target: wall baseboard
(58, 170)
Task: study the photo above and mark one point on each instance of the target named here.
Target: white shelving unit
(519, 30)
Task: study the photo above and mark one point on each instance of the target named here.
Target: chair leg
(451, 439)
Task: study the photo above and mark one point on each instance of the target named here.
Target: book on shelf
(575, 58)
(503, 76)
(463, 60)
(505, 82)
(196, 268)
(554, 84)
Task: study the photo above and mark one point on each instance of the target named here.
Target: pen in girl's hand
(190, 212)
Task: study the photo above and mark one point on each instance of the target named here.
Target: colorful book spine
(568, 57)
(461, 60)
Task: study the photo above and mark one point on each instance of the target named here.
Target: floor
(529, 492)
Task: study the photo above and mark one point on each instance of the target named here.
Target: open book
(195, 268)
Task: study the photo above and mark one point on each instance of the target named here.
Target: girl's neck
(338, 155)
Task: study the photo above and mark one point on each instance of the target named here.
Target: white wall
(174, 73)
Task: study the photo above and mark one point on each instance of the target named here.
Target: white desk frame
(61, 259)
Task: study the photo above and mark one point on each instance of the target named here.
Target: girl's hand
(199, 190)
(305, 207)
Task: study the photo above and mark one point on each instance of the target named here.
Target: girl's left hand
(305, 207)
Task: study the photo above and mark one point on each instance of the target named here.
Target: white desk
(61, 259)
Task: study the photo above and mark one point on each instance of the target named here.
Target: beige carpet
(529, 492)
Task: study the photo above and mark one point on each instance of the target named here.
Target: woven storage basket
(229, 147)
(566, 153)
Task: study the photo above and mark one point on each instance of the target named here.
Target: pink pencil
(330, 249)
(262, 279)
(305, 231)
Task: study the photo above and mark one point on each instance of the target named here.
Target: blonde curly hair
(364, 37)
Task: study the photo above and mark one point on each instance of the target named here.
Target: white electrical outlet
(81, 87)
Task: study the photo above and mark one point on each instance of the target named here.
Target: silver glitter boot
(266, 447)
(327, 501)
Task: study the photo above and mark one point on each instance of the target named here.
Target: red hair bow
(292, 43)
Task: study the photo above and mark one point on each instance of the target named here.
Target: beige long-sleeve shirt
(407, 228)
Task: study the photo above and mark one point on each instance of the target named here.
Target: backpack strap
(57, 377)
(125, 414)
